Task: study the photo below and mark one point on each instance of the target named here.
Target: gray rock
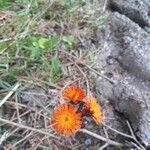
(128, 45)
(128, 99)
(136, 10)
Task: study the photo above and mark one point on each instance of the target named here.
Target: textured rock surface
(127, 60)
(133, 101)
(131, 44)
(136, 10)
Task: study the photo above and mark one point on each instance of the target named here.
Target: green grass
(31, 52)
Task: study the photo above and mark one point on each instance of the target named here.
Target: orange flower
(66, 120)
(74, 94)
(94, 108)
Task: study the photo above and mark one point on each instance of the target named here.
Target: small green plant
(38, 46)
(56, 71)
(4, 3)
(55, 63)
(48, 43)
(69, 40)
(72, 5)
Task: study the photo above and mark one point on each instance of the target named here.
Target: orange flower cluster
(68, 118)
(94, 108)
(74, 94)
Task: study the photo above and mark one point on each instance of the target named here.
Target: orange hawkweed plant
(66, 120)
(94, 108)
(74, 94)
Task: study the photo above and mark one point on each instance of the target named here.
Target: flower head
(74, 94)
(66, 120)
(95, 109)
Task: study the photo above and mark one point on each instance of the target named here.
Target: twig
(105, 131)
(34, 81)
(85, 76)
(111, 81)
(6, 135)
(36, 94)
(5, 40)
(9, 94)
(24, 106)
(118, 132)
(138, 148)
(28, 128)
(146, 103)
(134, 137)
(17, 109)
(131, 131)
(105, 4)
(43, 147)
(110, 142)
(24, 138)
(104, 146)
(39, 103)
(82, 63)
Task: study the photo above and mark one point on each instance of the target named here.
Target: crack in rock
(137, 10)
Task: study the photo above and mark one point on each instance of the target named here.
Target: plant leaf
(48, 43)
(69, 40)
(52, 42)
(42, 42)
(4, 3)
(55, 65)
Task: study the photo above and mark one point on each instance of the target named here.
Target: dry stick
(105, 131)
(132, 133)
(143, 97)
(9, 94)
(6, 135)
(5, 48)
(28, 128)
(134, 137)
(61, 144)
(84, 75)
(24, 138)
(78, 146)
(118, 132)
(37, 94)
(82, 63)
(125, 135)
(138, 148)
(24, 106)
(104, 146)
(111, 81)
(110, 142)
(23, 114)
(40, 141)
(40, 104)
(25, 79)
(87, 82)
(104, 7)
(18, 115)
(44, 147)
(5, 40)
